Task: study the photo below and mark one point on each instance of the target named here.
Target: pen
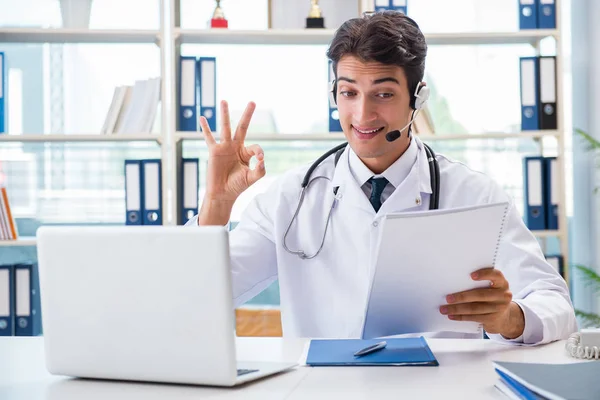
(370, 349)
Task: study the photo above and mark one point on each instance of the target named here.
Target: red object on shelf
(218, 23)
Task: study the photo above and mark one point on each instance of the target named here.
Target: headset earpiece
(420, 97)
(333, 92)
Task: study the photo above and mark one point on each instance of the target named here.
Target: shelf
(80, 138)
(63, 35)
(547, 234)
(23, 241)
(324, 36)
(31, 241)
(338, 136)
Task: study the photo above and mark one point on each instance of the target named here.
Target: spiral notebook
(424, 256)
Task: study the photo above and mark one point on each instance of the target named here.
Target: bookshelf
(65, 35)
(91, 137)
(171, 36)
(324, 36)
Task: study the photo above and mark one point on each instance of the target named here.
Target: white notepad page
(425, 256)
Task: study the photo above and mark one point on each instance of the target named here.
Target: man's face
(373, 99)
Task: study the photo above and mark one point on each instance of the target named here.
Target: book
(398, 352)
(577, 380)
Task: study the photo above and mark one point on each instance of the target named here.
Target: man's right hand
(229, 172)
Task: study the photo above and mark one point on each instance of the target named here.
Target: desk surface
(465, 371)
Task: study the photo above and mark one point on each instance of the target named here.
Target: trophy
(315, 19)
(218, 19)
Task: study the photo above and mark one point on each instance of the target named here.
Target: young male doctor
(322, 255)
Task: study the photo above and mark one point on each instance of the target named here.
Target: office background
(66, 88)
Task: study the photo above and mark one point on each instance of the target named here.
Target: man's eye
(347, 93)
(385, 95)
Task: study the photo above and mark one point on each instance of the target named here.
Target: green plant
(590, 276)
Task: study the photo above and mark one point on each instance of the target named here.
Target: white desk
(465, 372)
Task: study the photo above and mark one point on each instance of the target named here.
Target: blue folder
(401, 351)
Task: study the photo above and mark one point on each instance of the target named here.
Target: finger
(259, 170)
(471, 308)
(253, 150)
(242, 128)
(481, 318)
(494, 275)
(208, 136)
(226, 123)
(483, 294)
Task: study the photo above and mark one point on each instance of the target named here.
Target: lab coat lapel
(410, 193)
(350, 194)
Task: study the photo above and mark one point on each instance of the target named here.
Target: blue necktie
(377, 186)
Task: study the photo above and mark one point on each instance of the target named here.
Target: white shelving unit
(40, 138)
(169, 38)
(64, 35)
(337, 136)
(324, 36)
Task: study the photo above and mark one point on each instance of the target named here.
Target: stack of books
(133, 109)
(8, 227)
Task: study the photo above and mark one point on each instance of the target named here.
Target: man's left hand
(491, 306)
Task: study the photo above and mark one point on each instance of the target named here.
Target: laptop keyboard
(241, 372)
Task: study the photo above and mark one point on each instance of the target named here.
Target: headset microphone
(395, 134)
(392, 135)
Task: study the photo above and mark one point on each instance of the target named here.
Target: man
(324, 261)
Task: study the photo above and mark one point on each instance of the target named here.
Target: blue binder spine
(134, 187)
(556, 260)
(530, 93)
(535, 207)
(188, 189)
(188, 82)
(334, 116)
(3, 94)
(528, 14)
(546, 14)
(400, 5)
(207, 67)
(7, 301)
(383, 5)
(152, 205)
(28, 315)
(551, 193)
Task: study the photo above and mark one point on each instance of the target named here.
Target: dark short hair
(388, 37)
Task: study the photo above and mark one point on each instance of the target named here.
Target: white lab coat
(326, 296)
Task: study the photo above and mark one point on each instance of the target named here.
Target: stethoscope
(434, 174)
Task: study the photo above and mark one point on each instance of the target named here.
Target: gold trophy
(218, 19)
(315, 19)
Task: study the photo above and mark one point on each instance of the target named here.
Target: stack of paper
(133, 108)
(424, 256)
(549, 381)
(8, 227)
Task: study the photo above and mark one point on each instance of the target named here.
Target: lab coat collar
(408, 195)
(395, 174)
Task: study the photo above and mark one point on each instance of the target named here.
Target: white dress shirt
(395, 174)
(326, 295)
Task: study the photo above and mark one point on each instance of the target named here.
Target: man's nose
(365, 111)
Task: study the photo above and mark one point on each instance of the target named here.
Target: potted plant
(589, 275)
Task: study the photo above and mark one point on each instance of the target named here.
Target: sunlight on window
(105, 14)
(15, 101)
(288, 84)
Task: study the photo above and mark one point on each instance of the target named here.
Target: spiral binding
(500, 236)
(576, 350)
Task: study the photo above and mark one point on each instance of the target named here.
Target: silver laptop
(144, 303)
